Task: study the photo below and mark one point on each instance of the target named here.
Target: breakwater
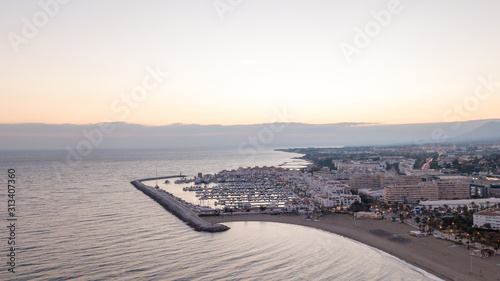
(178, 209)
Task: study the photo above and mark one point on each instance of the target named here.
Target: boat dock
(238, 194)
(181, 211)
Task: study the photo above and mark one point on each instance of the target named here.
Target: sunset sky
(241, 62)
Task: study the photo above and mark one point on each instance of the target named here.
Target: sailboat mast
(156, 182)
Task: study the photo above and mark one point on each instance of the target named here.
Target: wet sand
(428, 253)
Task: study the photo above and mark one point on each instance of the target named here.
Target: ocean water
(83, 220)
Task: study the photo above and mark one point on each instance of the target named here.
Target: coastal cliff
(178, 209)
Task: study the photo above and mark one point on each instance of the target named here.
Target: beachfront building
(342, 200)
(429, 190)
(488, 219)
(300, 206)
(409, 193)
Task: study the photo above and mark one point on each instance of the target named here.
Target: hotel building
(491, 216)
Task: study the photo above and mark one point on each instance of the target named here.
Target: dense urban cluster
(275, 190)
(450, 189)
(410, 174)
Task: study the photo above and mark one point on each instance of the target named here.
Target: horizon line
(358, 124)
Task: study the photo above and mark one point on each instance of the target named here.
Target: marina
(240, 190)
(243, 194)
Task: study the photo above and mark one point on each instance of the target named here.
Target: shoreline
(430, 254)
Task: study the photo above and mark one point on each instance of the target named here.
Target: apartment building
(431, 190)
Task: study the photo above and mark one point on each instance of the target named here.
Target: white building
(302, 206)
(377, 193)
(482, 203)
(491, 216)
(337, 200)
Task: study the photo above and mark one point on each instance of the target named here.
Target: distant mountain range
(243, 137)
(487, 132)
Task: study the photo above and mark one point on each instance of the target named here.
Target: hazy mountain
(488, 131)
(244, 137)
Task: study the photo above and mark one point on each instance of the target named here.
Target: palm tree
(473, 205)
(424, 223)
(262, 208)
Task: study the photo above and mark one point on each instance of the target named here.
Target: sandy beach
(433, 255)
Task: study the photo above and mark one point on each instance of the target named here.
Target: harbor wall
(178, 209)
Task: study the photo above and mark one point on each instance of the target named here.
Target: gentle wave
(86, 222)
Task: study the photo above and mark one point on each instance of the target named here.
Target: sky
(234, 62)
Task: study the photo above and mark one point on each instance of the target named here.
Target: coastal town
(451, 192)
(386, 197)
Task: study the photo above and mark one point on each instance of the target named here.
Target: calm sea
(83, 220)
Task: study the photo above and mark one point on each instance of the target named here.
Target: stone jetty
(177, 208)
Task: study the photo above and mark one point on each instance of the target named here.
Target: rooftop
(489, 212)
